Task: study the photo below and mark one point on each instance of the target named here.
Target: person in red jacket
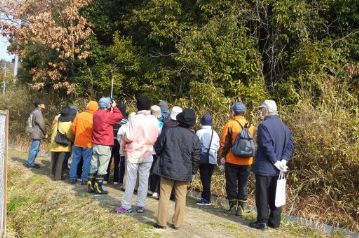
(102, 138)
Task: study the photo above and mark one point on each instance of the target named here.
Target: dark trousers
(115, 155)
(267, 212)
(236, 181)
(57, 164)
(206, 171)
(154, 179)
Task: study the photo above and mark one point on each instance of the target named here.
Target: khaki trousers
(180, 188)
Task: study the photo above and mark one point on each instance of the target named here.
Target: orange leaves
(56, 25)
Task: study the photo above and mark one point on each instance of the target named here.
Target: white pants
(143, 170)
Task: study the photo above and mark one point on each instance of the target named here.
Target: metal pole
(4, 81)
(16, 67)
(111, 85)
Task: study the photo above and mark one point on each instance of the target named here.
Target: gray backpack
(29, 124)
(243, 146)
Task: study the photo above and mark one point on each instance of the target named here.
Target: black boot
(241, 208)
(98, 186)
(232, 207)
(91, 183)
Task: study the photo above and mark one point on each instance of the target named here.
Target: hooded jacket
(65, 128)
(178, 149)
(141, 133)
(82, 126)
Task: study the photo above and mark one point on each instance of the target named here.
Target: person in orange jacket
(82, 129)
(237, 169)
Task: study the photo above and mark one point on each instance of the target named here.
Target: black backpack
(243, 146)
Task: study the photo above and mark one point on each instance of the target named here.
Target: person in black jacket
(178, 150)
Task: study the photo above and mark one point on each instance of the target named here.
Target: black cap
(38, 102)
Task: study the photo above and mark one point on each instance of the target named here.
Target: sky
(3, 50)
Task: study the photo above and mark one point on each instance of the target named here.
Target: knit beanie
(206, 120)
(143, 103)
(187, 118)
(104, 102)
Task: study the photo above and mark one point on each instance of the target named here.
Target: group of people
(155, 150)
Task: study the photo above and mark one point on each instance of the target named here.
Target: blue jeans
(77, 153)
(34, 149)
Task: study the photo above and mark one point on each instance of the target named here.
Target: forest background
(207, 54)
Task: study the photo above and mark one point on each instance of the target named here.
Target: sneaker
(155, 195)
(73, 181)
(115, 183)
(122, 210)
(104, 182)
(140, 209)
(258, 225)
(203, 202)
(36, 166)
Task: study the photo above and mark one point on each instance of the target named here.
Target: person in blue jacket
(275, 148)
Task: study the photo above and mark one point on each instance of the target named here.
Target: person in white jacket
(209, 148)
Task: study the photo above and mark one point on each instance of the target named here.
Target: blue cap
(239, 107)
(104, 102)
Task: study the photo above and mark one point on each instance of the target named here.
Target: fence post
(4, 135)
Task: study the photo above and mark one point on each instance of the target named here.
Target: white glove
(281, 165)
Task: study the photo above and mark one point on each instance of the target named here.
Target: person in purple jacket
(275, 148)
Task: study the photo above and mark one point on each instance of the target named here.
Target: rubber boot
(91, 183)
(232, 207)
(98, 186)
(241, 208)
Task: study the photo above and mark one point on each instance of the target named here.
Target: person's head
(206, 120)
(92, 106)
(164, 109)
(143, 103)
(156, 111)
(123, 109)
(238, 108)
(67, 114)
(105, 103)
(187, 118)
(174, 112)
(268, 108)
(39, 103)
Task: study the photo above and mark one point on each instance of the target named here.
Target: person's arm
(265, 140)
(74, 125)
(225, 141)
(39, 120)
(196, 154)
(160, 143)
(289, 147)
(115, 117)
(215, 141)
(70, 134)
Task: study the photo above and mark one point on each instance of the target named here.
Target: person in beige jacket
(61, 149)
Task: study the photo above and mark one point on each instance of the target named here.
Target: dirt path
(199, 221)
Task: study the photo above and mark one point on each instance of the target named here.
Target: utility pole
(4, 81)
(16, 67)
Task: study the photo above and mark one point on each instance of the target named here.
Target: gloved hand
(281, 165)
(223, 161)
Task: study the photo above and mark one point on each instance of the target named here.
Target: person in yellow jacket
(61, 140)
(237, 169)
